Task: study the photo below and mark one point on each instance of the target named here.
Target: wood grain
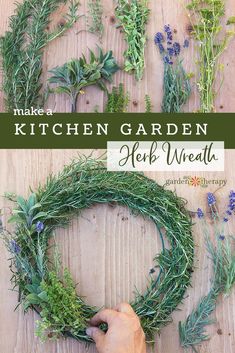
(72, 45)
(109, 252)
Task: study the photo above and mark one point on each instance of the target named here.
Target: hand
(124, 335)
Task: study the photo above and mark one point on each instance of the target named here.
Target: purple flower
(39, 226)
(186, 43)
(221, 237)
(211, 199)
(225, 219)
(200, 213)
(167, 60)
(170, 51)
(161, 48)
(176, 48)
(168, 31)
(15, 248)
(158, 38)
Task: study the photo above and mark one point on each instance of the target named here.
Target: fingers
(125, 308)
(96, 334)
(105, 315)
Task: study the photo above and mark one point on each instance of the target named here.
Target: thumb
(96, 334)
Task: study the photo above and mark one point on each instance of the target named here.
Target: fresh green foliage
(193, 330)
(96, 17)
(77, 74)
(61, 308)
(22, 47)
(148, 104)
(117, 100)
(207, 18)
(176, 87)
(78, 186)
(133, 17)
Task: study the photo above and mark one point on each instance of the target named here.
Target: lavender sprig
(176, 86)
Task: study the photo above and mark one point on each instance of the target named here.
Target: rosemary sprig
(133, 17)
(207, 18)
(117, 100)
(95, 23)
(77, 74)
(22, 47)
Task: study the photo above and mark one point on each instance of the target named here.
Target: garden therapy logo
(165, 156)
(196, 181)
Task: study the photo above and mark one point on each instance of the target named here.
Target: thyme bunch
(96, 17)
(206, 16)
(118, 100)
(72, 77)
(193, 330)
(22, 47)
(133, 17)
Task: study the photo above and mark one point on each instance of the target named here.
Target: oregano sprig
(133, 17)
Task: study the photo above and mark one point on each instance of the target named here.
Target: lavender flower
(159, 38)
(200, 213)
(39, 226)
(161, 48)
(168, 31)
(221, 237)
(170, 51)
(186, 43)
(176, 48)
(225, 219)
(14, 247)
(167, 60)
(211, 199)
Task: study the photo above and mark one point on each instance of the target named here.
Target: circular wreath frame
(80, 185)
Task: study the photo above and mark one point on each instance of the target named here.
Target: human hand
(124, 335)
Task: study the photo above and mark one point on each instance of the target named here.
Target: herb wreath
(78, 186)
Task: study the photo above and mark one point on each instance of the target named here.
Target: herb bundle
(206, 18)
(133, 17)
(96, 17)
(176, 85)
(74, 76)
(193, 330)
(78, 186)
(22, 47)
(117, 100)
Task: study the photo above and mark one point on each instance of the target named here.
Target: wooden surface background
(72, 45)
(109, 252)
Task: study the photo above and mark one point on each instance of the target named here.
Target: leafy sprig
(133, 17)
(206, 16)
(74, 76)
(22, 47)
